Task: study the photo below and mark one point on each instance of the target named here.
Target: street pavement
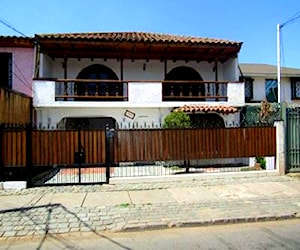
(149, 203)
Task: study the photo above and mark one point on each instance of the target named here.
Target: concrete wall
(22, 68)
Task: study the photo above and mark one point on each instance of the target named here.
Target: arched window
(183, 89)
(98, 72)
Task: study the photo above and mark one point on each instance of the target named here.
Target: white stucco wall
(236, 94)
(230, 70)
(137, 69)
(145, 93)
(46, 66)
(144, 117)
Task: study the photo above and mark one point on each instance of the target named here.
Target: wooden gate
(293, 138)
(53, 157)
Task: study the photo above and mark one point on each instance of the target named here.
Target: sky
(253, 22)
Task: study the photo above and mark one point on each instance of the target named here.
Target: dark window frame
(275, 92)
(294, 82)
(6, 70)
(250, 81)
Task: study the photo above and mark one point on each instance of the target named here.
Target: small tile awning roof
(267, 70)
(137, 45)
(222, 109)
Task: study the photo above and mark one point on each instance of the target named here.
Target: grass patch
(248, 169)
(124, 205)
(173, 167)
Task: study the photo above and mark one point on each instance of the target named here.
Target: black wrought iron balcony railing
(194, 91)
(117, 90)
(91, 90)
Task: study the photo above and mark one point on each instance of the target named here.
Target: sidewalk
(191, 201)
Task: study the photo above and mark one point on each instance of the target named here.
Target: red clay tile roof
(137, 45)
(136, 37)
(16, 41)
(207, 108)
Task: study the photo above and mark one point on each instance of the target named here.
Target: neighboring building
(17, 63)
(261, 83)
(130, 78)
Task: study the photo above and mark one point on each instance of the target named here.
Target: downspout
(241, 73)
(65, 67)
(37, 59)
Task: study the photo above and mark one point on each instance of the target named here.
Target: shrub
(177, 120)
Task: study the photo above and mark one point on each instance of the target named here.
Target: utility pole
(278, 63)
(293, 19)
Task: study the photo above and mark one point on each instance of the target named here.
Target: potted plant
(260, 163)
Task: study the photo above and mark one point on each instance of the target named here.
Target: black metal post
(1, 152)
(109, 150)
(29, 168)
(79, 154)
(107, 154)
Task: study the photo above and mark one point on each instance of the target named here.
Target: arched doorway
(207, 121)
(183, 89)
(98, 72)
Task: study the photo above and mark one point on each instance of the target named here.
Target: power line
(293, 19)
(12, 28)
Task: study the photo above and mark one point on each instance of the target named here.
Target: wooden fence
(189, 144)
(15, 107)
(58, 147)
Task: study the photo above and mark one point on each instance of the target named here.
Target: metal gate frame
(22, 155)
(293, 138)
(78, 171)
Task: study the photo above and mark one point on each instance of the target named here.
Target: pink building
(17, 63)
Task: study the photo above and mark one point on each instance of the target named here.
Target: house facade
(17, 63)
(134, 79)
(261, 83)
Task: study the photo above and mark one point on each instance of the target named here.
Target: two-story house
(135, 79)
(261, 83)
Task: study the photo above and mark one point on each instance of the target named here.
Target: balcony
(194, 91)
(87, 90)
(120, 93)
(108, 90)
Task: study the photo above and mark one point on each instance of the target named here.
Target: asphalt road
(263, 235)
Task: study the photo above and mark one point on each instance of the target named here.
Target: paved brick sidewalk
(52, 210)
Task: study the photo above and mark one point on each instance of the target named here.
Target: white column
(280, 148)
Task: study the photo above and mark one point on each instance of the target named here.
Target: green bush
(177, 120)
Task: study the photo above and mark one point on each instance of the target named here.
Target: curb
(138, 227)
(192, 177)
(224, 221)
